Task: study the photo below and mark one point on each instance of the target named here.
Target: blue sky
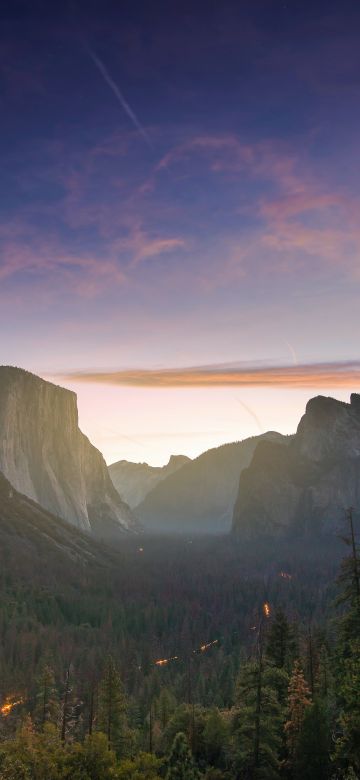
(225, 230)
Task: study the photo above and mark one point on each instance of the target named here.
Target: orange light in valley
(285, 575)
(266, 609)
(8, 706)
(209, 644)
(164, 661)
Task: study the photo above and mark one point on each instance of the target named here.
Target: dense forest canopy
(238, 648)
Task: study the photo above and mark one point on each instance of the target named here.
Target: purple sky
(180, 187)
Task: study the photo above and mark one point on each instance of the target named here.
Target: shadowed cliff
(305, 484)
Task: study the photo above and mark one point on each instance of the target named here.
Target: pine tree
(349, 581)
(112, 708)
(347, 754)
(298, 701)
(90, 760)
(180, 762)
(165, 706)
(258, 720)
(281, 641)
(312, 758)
(215, 737)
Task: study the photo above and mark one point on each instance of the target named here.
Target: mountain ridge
(199, 497)
(306, 487)
(135, 480)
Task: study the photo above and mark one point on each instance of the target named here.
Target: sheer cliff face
(305, 484)
(135, 480)
(199, 497)
(47, 458)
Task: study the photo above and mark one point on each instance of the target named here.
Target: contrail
(118, 94)
(252, 414)
(292, 350)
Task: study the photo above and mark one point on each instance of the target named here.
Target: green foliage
(190, 721)
(165, 706)
(180, 763)
(312, 758)
(47, 708)
(347, 753)
(258, 720)
(215, 738)
(112, 708)
(91, 760)
(220, 731)
(144, 767)
(349, 582)
(32, 756)
(281, 644)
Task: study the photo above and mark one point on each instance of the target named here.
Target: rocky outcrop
(305, 484)
(135, 480)
(45, 456)
(199, 497)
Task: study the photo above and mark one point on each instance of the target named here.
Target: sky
(179, 200)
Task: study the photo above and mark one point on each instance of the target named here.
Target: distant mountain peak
(135, 480)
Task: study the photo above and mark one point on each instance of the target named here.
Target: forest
(183, 658)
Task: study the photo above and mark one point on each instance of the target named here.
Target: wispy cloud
(118, 94)
(309, 375)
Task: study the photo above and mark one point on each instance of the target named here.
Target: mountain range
(199, 497)
(269, 485)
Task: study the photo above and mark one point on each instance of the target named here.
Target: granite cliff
(304, 484)
(135, 480)
(45, 456)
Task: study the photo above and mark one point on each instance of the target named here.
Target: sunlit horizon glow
(344, 374)
(186, 194)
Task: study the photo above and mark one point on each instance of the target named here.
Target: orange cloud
(311, 375)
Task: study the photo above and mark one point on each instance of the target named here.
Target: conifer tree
(298, 701)
(349, 582)
(215, 737)
(347, 753)
(165, 706)
(258, 720)
(112, 708)
(281, 641)
(312, 758)
(180, 762)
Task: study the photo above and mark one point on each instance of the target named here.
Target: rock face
(37, 540)
(305, 484)
(135, 480)
(45, 456)
(199, 497)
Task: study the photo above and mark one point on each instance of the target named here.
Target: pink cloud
(312, 375)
